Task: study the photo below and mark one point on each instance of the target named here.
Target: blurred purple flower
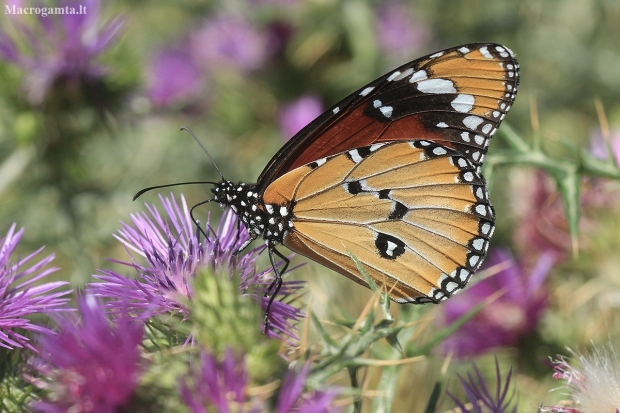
(62, 47)
(543, 225)
(297, 114)
(479, 396)
(218, 385)
(22, 294)
(292, 399)
(227, 42)
(398, 31)
(92, 364)
(174, 78)
(506, 319)
(598, 146)
(175, 254)
(278, 34)
(223, 385)
(594, 385)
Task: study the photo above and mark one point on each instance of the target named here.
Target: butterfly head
(262, 220)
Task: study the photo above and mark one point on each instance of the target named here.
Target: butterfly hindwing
(457, 97)
(419, 224)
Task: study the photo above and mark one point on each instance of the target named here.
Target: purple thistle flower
(292, 399)
(510, 316)
(297, 114)
(61, 47)
(398, 31)
(174, 78)
(479, 395)
(92, 364)
(223, 385)
(22, 294)
(226, 42)
(218, 384)
(175, 254)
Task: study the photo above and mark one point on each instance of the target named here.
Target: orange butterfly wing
(457, 97)
(416, 214)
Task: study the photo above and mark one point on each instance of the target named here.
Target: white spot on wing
(386, 110)
(433, 56)
(404, 74)
(465, 136)
(478, 244)
(439, 151)
(442, 125)
(390, 248)
(485, 52)
(463, 103)
(377, 103)
(451, 286)
(486, 128)
(473, 260)
(336, 110)
(393, 76)
(486, 227)
(436, 86)
(464, 50)
(355, 156)
(366, 91)
(472, 122)
(418, 76)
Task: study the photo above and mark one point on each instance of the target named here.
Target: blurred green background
(91, 114)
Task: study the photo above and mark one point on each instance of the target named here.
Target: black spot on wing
(389, 246)
(398, 211)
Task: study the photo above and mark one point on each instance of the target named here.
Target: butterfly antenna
(150, 188)
(185, 128)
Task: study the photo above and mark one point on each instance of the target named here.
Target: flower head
(175, 254)
(218, 384)
(292, 399)
(174, 78)
(224, 386)
(62, 47)
(514, 313)
(228, 42)
(594, 385)
(22, 293)
(91, 364)
(479, 395)
(398, 31)
(295, 115)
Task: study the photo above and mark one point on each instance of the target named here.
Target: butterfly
(392, 175)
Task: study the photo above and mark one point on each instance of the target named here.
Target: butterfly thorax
(262, 220)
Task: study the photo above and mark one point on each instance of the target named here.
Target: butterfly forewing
(456, 97)
(419, 224)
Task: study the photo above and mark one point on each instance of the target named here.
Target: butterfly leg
(194, 220)
(276, 284)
